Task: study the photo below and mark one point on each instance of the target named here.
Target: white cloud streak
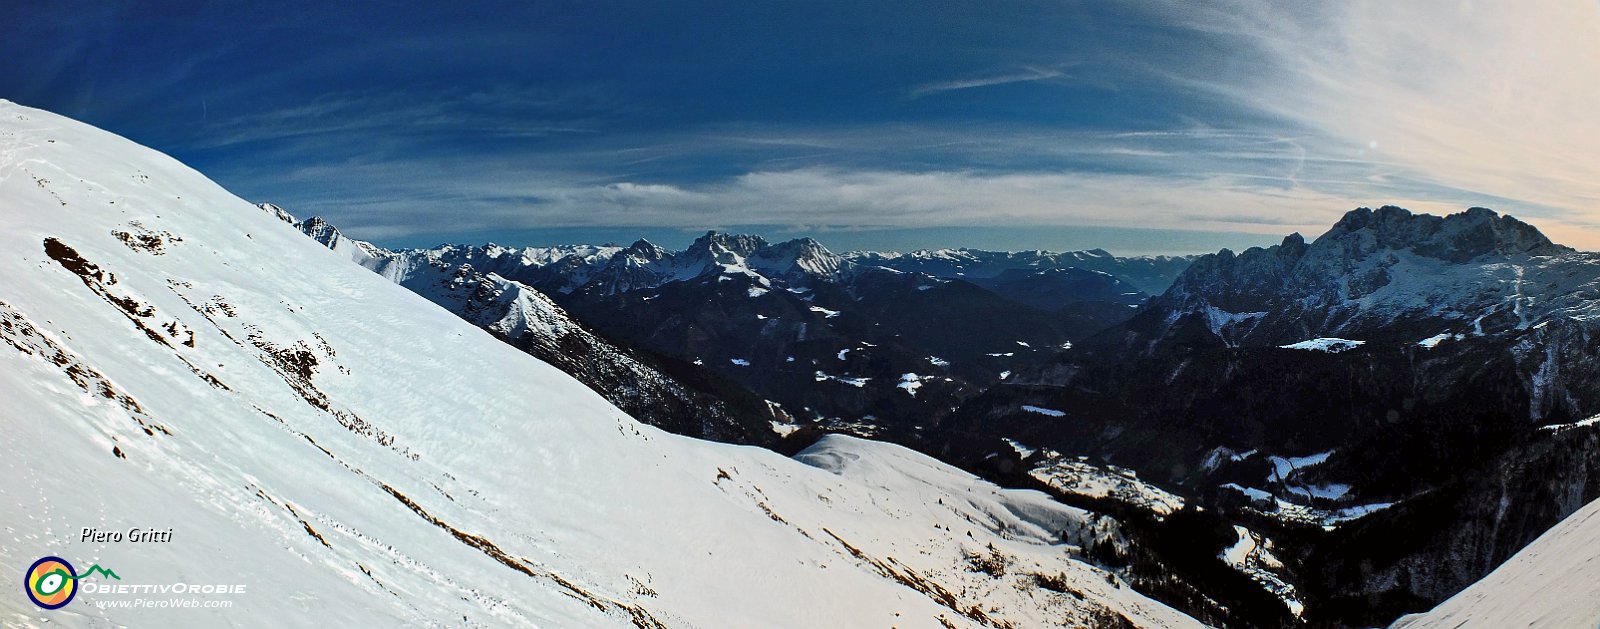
(419, 199)
(1430, 104)
(1487, 97)
(1026, 75)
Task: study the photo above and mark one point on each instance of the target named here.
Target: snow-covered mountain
(1401, 404)
(796, 263)
(836, 344)
(610, 270)
(528, 320)
(356, 456)
(1384, 273)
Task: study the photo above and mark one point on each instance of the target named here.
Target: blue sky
(1141, 126)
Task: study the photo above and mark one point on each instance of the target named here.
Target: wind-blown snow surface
(1554, 582)
(175, 357)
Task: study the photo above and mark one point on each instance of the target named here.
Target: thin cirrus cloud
(1230, 115)
(1201, 179)
(502, 113)
(1026, 75)
(1483, 98)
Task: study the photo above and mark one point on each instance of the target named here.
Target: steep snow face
(1554, 582)
(481, 297)
(175, 357)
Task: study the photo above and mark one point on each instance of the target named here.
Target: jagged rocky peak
(804, 244)
(1459, 237)
(324, 232)
(802, 256)
(644, 250)
(495, 250)
(319, 229)
(1384, 273)
(1224, 277)
(716, 242)
(1360, 235)
(717, 249)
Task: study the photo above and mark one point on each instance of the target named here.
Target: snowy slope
(1554, 582)
(175, 357)
(483, 298)
(530, 321)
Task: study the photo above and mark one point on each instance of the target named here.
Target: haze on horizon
(1143, 126)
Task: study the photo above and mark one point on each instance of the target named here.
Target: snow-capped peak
(797, 260)
(1376, 269)
(715, 243)
(644, 251)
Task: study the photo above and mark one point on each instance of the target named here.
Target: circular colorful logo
(50, 582)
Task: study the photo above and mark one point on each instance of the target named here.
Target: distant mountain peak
(645, 247)
(742, 244)
(1458, 237)
(801, 246)
(798, 258)
(322, 231)
(1376, 272)
(319, 229)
